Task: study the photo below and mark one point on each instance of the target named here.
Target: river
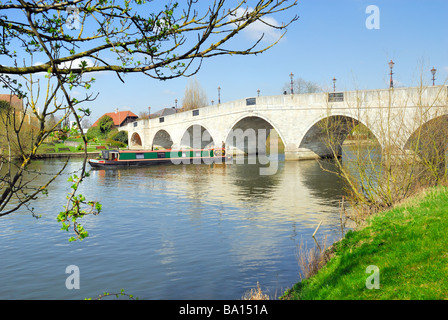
(172, 232)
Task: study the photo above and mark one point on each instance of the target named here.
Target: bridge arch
(196, 136)
(430, 143)
(433, 132)
(332, 130)
(135, 141)
(162, 140)
(248, 134)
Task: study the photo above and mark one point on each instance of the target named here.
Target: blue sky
(330, 39)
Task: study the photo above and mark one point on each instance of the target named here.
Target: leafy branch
(74, 210)
(113, 36)
(122, 293)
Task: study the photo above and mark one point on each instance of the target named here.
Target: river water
(172, 232)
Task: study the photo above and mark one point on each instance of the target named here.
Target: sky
(331, 39)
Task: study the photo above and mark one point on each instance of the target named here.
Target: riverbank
(66, 155)
(407, 246)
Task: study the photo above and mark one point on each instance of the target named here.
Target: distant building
(121, 118)
(163, 112)
(84, 125)
(20, 110)
(13, 100)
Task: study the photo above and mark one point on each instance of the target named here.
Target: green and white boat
(128, 158)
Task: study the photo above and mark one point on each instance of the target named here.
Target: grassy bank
(61, 147)
(408, 244)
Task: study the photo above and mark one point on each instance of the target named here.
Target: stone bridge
(390, 114)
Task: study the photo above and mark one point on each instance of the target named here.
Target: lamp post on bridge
(433, 71)
(334, 84)
(391, 66)
(219, 95)
(292, 83)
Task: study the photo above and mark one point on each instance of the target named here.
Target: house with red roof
(18, 106)
(13, 100)
(121, 118)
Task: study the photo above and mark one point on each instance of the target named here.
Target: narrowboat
(127, 158)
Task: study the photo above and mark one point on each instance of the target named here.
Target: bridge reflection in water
(173, 231)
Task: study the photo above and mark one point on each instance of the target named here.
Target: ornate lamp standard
(433, 71)
(391, 66)
(219, 95)
(258, 92)
(292, 83)
(334, 84)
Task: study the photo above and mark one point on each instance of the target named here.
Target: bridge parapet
(292, 115)
(400, 97)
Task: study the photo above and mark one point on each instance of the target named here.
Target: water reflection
(250, 185)
(320, 178)
(175, 231)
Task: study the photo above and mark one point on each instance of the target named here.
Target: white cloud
(75, 93)
(261, 28)
(169, 92)
(76, 64)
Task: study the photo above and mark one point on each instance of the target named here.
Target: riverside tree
(194, 97)
(49, 48)
(301, 85)
(383, 170)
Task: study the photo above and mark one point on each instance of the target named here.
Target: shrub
(121, 136)
(255, 294)
(111, 133)
(5, 106)
(93, 132)
(105, 124)
(114, 143)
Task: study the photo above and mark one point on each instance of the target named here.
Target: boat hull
(94, 163)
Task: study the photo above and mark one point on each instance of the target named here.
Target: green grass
(46, 148)
(408, 244)
(58, 146)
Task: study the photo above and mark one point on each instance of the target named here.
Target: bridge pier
(303, 154)
(315, 151)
